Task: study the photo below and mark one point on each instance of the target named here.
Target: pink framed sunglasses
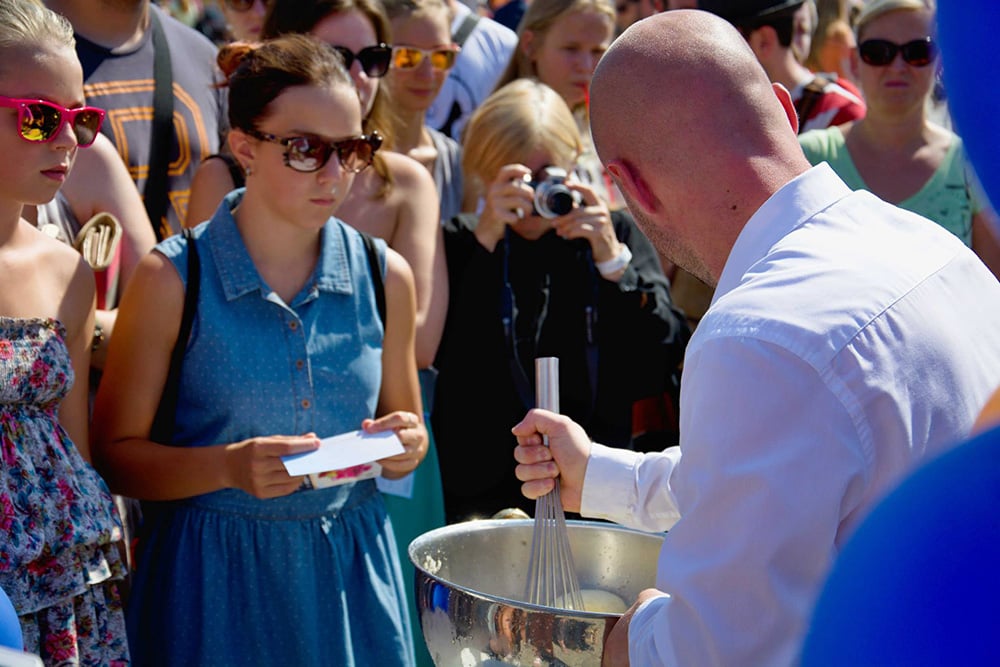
(40, 121)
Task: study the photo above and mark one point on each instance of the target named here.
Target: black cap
(739, 12)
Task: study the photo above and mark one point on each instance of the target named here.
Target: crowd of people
(769, 279)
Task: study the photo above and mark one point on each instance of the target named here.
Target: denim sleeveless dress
(307, 579)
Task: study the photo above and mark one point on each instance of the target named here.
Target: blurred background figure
(559, 43)
(244, 18)
(486, 48)
(422, 56)
(628, 12)
(896, 151)
(156, 78)
(833, 39)
(769, 26)
(581, 283)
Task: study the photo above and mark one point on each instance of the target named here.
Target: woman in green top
(895, 151)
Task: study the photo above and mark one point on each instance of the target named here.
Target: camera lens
(560, 201)
(552, 197)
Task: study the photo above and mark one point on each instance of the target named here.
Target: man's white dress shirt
(847, 340)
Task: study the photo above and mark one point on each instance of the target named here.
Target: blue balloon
(919, 581)
(10, 627)
(965, 29)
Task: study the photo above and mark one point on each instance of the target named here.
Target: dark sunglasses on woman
(374, 59)
(40, 121)
(881, 52)
(309, 153)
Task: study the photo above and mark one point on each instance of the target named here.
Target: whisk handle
(547, 383)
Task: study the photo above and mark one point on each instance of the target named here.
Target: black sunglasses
(310, 153)
(881, 52)
(374, 59)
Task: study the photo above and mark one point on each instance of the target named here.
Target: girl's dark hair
(286, 17)
(259, 73)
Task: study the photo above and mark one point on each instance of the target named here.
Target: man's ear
(763, 42)
(786, 101)
(633, 186)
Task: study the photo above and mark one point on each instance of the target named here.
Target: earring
(249, 170)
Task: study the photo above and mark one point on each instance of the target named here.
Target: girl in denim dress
(239, 563)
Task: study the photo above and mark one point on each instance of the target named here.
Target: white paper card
(343, 451)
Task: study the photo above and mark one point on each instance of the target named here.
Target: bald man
(847, 341)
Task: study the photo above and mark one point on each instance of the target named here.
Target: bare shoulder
(60, 260)
(398, 273)
(408, 174)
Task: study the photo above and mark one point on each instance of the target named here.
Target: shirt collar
(788, 208)
(238, 273)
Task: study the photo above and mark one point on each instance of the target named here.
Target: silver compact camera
(552, 197)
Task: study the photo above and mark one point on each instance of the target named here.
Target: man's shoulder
(183, 37)
(493, 36)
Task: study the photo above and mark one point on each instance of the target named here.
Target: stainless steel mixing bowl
(470, 580)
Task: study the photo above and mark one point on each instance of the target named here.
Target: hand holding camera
(534, 203)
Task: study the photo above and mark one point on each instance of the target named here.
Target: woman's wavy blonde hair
(519, 119)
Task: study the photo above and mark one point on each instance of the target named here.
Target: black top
(639, 339)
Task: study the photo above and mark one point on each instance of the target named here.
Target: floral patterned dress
(58, 527)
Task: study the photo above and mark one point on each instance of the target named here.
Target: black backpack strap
(162, 430)
(469, 24)
(155, 194)
(376, 269)
(810, 96)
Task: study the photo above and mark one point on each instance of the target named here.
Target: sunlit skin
(510, 194)
(299, 199)
(413, 90)
(280, 220)
(897, 88)
(51, 78)
(51, 279)
(407, 218)
(566, 54)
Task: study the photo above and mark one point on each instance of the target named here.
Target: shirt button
(293, 325)
(299, 364)
(306, 403)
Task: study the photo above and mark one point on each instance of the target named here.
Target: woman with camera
(545, 270)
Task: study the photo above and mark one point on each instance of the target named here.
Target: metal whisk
(552, 579)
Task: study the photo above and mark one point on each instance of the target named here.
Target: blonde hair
(519, 119)
(30, 22)
(873, 9)
(538, 18)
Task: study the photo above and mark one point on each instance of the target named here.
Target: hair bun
(231, 55)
